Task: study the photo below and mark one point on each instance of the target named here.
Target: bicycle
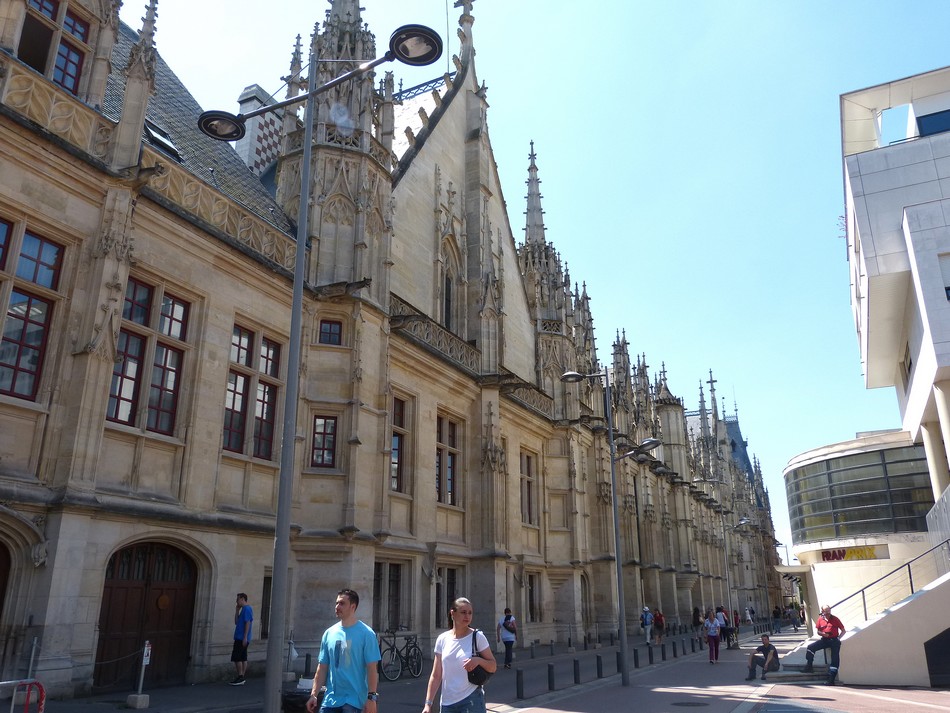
(394, 658)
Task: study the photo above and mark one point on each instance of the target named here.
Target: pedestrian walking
(243, 621)
(347, 664)
(777, 620)
(646, 623)
(458, 652)
(507, 633)
(712, 627)
(659, 626)
(830, 630)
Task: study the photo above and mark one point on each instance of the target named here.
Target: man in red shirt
(830, 630)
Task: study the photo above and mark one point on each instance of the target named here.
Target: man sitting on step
(830, 629)
(765, 656)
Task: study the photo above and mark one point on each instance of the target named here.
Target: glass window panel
(873, 471)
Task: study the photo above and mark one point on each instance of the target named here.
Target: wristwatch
(372, 696)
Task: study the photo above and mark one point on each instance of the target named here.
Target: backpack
(509, 624)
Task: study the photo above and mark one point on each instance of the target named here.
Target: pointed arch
(450, 285)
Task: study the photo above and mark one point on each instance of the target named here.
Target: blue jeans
(475, 703)
(345, 708)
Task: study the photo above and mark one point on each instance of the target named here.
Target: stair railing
(895, 585)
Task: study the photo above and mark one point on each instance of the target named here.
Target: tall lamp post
(415, 45)
(573, 377)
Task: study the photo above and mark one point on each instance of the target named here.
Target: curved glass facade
(870, 493)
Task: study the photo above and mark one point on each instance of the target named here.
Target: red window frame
(173, 318)
(68, 67)
(6, 228)
(265, 420)
(137, 306)
(323, 451)
(242, 344)
(164, 389)
(270, 358)
(398, 447)
(126, 378)
(76, 26)
(41, 261)
(49, 8)
(235, 411)
(27, 315)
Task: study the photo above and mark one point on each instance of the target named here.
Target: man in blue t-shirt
(243, 618)
(349, 653)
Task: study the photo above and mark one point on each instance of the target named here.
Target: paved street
(665, 687)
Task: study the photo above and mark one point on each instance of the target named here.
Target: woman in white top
(712, 625)
(454, 659)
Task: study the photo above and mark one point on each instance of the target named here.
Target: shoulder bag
(478, 675)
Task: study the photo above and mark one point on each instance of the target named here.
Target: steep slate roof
(173, 109)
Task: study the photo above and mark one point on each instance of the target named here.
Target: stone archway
(149, 595)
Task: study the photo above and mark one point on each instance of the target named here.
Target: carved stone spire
(142, 57)
(534, 225)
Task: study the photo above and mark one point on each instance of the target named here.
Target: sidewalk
(408, 693)
(686, 681)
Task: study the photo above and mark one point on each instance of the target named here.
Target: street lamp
(411, 44)
(573, 377)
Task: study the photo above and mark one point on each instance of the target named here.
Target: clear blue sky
(689, 153)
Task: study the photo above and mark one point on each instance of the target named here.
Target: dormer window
(55, 42)
(157, 136)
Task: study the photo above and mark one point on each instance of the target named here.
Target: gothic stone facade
(145, 313)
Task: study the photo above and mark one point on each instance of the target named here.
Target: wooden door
(149, 595)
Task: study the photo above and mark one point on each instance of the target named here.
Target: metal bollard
(692, 646)
(569, 645)
(636, 659)
(551, 677)
(519, 684)
(532, 649)
(577, 672)
(619, 663)
(611, 638)
(552, 647)
(663, 651)
(308, 659)
(600, 664)
(650, 654)
(674, 650)
(585, 643)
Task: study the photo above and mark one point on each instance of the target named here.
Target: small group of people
(653, 624)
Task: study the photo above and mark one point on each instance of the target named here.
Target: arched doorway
(149, 595)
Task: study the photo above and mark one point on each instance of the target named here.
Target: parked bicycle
(393, 658)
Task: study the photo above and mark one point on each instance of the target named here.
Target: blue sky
(690, 160)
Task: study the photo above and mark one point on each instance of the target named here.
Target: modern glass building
(877, 484)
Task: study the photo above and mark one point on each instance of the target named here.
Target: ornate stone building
(145, 292)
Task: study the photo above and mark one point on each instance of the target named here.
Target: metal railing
(895, 585)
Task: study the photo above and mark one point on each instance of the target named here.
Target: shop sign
(852, 554)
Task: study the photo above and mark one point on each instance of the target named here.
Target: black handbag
(477, 676)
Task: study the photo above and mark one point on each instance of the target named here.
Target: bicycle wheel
(390, 665)
(414, 661)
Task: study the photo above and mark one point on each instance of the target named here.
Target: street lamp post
(411, 44)
(572, 377)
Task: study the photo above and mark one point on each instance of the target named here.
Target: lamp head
(648, 444)
(415, 45)
(572, 377)
(221, 125)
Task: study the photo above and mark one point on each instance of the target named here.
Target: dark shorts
(239, 652)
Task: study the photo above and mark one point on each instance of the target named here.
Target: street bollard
(674, 649)
(663, 651)
(551, 677)
(636, 659)
(519, 684)
(577, 672)
(650, 654)
(532, 649)
(146, 658)
(600, 665)
(552, 647)
(307, 673)
(692, 645)
(619, 663)
(611, 638)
